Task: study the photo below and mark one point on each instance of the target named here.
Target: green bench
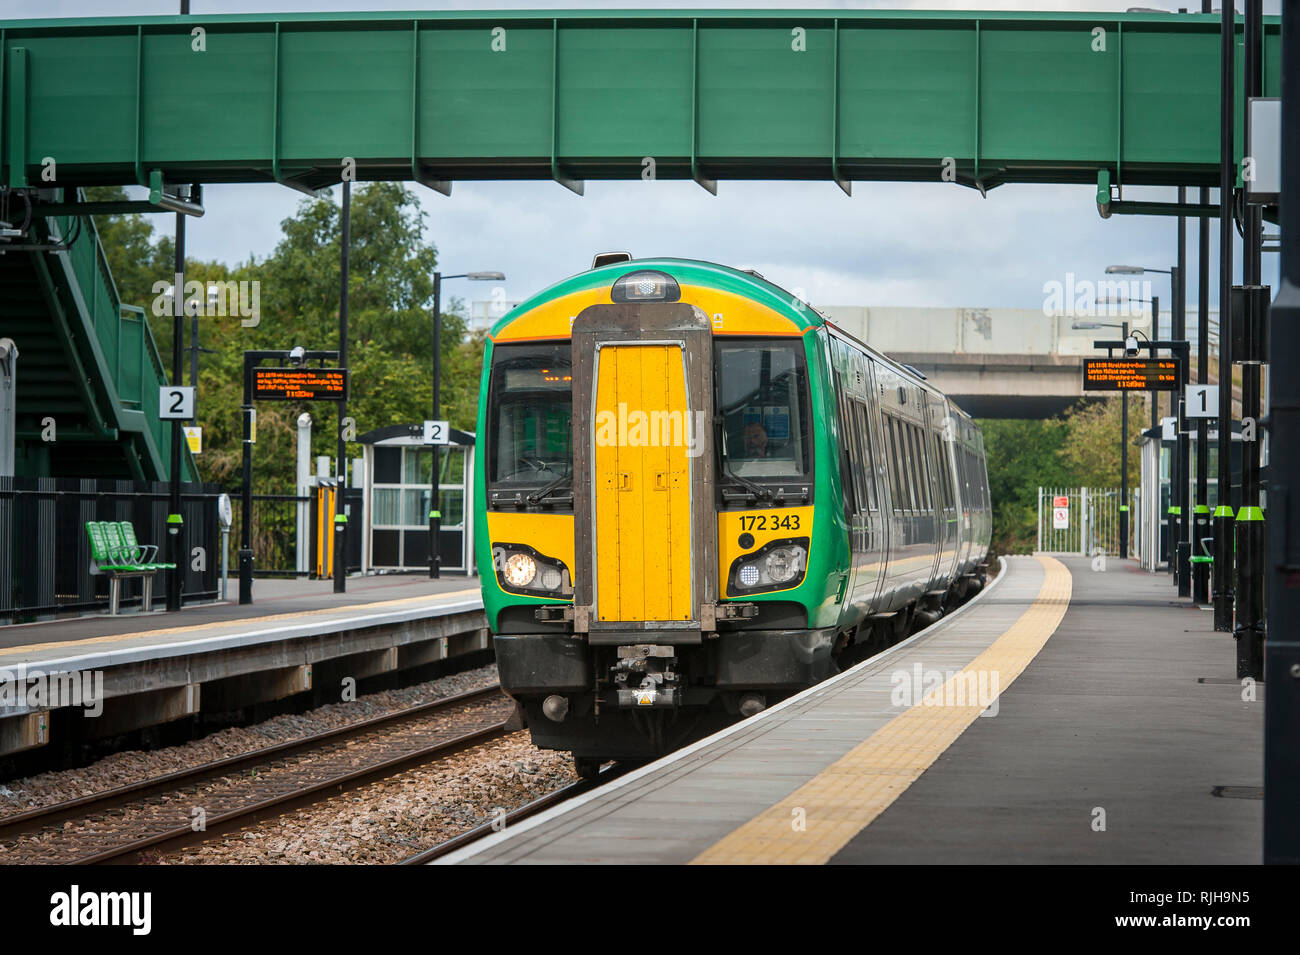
(115, 553)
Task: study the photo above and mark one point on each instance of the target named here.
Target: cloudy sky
(890, 244)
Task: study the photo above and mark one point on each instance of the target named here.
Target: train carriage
(698, 496)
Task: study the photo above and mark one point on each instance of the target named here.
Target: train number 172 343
(769, 522)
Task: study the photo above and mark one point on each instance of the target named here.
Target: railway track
(514, 816)
(133, 823)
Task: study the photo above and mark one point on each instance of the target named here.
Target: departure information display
(300, 384)
(1130, 374)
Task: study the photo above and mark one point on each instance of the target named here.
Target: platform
(1113, 731)
(157, 667)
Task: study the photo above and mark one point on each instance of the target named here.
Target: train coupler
(646, 676)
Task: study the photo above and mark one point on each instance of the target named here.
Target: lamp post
(435, 509)
(1123, 440)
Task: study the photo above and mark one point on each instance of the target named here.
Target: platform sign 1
(1202, 401)
(437, 432)
(300, 384)
(176, 402)
(1130, 374)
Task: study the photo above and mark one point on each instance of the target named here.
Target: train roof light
(646, 286)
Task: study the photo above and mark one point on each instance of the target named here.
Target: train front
(647, 474)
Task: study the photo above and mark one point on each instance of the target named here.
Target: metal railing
(1086, 520)
(45, 552)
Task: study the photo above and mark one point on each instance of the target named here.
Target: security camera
(1131, 347)
(297, 355)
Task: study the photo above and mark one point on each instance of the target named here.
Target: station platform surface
(1113, 731)
(281, 607)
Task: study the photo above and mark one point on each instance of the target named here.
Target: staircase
(88, 370)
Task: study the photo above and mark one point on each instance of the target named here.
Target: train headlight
(778, 565)
(783, 564)
(520, 570)
(646, 286)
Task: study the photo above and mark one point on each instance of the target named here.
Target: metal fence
(1085, 520)
(45, 552)
(276, 535)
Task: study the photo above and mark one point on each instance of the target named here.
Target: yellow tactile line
(847, 796)
(246, 622)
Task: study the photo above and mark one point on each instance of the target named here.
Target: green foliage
(1080, 447)
(390, 326)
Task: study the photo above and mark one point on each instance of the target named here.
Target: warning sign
(1060, 518)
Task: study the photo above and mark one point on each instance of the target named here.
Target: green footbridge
(963, 99)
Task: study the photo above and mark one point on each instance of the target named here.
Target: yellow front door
(641, 484)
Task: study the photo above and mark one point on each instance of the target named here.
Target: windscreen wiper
(536, 497)
(759, 492)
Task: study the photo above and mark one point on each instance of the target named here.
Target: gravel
(399, 816)
(122, 768)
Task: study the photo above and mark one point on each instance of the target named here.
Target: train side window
(946, 469)
(918, 474)
(861, 459)
(914, 460)
(848, 477)
(869, 454)
(895, 458)
(921, 439)
(904, 468)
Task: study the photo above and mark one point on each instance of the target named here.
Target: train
(695, 496)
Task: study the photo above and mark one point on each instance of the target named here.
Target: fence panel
(1086, 520)
(45, 554)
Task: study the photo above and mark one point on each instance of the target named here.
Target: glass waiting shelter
(398, 467)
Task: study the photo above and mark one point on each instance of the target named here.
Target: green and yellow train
(697, 496)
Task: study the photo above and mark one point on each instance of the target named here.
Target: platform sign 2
(437, 432)
(1202, 401)
(176, 402)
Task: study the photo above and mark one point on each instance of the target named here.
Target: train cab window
(530, 406)
(763, 401)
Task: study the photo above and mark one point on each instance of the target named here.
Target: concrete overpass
(1000, 362)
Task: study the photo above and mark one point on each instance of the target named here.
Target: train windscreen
(530, 408)
(763, 400)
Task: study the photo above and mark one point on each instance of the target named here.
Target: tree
(1078, 448)
(1091, 451)
(390, 325)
